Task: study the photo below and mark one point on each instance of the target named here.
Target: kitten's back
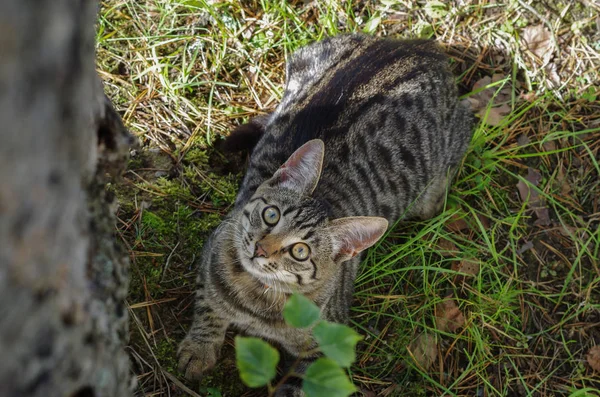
(388, 113)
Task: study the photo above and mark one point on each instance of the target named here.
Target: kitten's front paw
(195, 358)
(289, 391)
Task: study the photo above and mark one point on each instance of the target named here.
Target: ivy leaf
(324, 378)
(256, 360)
(337, 341)
(300, 312)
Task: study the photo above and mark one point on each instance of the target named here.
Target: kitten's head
(286, 238)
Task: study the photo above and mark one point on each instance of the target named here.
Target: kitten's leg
(431, 202)
(200, 349)
(336, 309)
(291, 389)
(293, 386)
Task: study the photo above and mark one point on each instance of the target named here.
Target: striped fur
(393, 132)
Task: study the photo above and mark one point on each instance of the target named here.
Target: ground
(497, 296)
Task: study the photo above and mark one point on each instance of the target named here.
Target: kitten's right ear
(301, 172)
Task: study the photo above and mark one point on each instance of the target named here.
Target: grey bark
(63, 279)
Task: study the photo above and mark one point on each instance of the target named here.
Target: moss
(196, 156)
(135, 163)
(165, 221)
(156, 225)
(166, 354)
(224, 189)
(169, 190)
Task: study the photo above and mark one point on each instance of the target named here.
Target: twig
(167, 262)
(179, 384)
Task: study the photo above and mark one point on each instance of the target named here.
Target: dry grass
(183, 73)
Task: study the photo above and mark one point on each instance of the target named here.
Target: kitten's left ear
(352, 235)
(302, 170)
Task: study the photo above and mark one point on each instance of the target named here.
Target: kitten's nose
(259, 251)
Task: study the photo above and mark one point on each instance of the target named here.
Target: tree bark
(63, 279)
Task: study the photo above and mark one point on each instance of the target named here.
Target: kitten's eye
(271, 215)
(300, 251)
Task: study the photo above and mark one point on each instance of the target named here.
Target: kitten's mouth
(252, 266)
(255, 268)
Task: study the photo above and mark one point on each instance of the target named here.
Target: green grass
(183, 73)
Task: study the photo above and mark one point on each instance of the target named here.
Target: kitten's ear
(350, 236)
(302, 170)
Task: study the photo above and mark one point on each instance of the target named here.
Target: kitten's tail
(246, 136)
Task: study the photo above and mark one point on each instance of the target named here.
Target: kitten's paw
(195, 358)
(289, 391)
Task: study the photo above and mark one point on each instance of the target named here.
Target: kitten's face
(284, 240)
(284, 237)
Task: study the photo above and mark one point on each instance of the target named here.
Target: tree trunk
(63, 279)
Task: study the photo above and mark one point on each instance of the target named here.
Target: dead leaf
(494, 115)
(538, 40)
(448, 317)
(531, 196)
(593, 358)
(549, 146)
(523, 140)
(457, 223)
(466, 266)
(552, 73)
(481, 83)
(424, 350)
(562, 182)
(525, 247)
(446, 247)
(528, 96)
(492, 98)
(485, 221)
(543, 216)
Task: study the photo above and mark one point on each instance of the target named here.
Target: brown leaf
(528, 96)
(543, 216)
(552, 74)
(562, 182)
(460, 223)
(531, 196)
(593, 358)
(448, 317)
(457, 223)
(467, 266)
(490, 98)
(480, 84)
(485, 221)
(495, 114)
(446, 247)
(523, 140)
(525, 247)
(424, 350)
(538, 40)
(549, 146)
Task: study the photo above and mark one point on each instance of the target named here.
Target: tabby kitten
(372, 130)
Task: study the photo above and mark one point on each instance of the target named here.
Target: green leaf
(256, 360)
(435, 9)
(372, 25)
(300, 312)
(337, 341)
(324, 378)
(587, 392)
(212, 392)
